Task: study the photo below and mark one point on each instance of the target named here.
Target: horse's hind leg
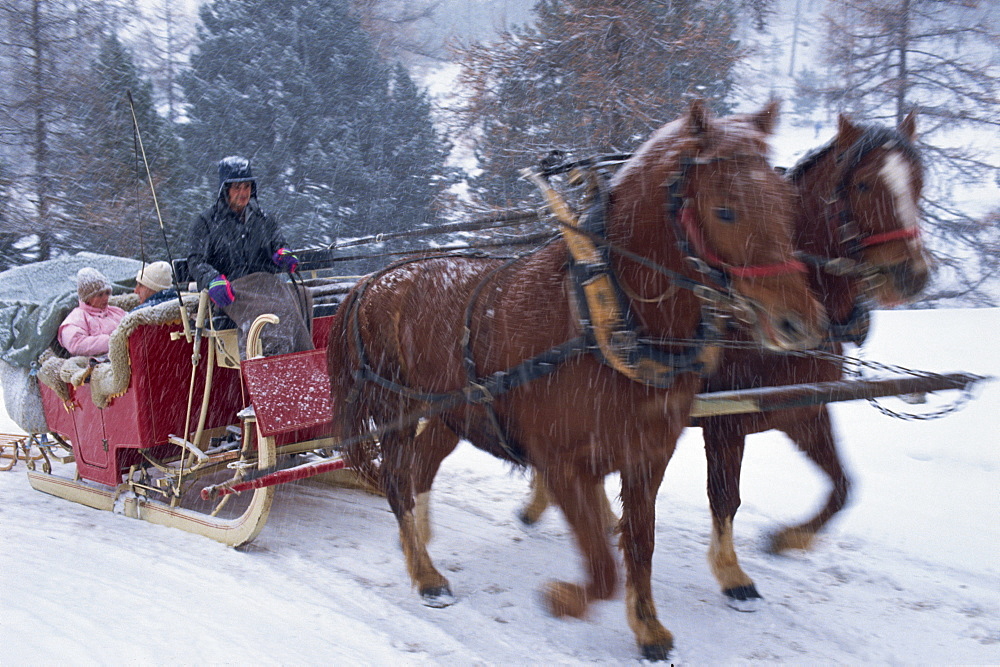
(815, 438)
(405, 459)
(436, 441)
(579, 497)
(539, 501)
(639, 487)
(724, 443)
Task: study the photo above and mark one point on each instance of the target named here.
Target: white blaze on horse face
(897, 174)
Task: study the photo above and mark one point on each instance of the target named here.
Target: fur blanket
(110, 378)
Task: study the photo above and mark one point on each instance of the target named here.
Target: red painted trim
(768, 270)
(279, 477)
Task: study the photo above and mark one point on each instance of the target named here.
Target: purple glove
(284, 258)
(221, 292)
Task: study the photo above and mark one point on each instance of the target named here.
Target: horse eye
(725, 214)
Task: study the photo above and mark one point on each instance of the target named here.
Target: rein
(479, 389)
(609, 330)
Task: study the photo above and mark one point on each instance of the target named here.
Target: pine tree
(167, 33)
(10, 254)
(416, 153)
(46, 47)
(36, 34)
(590, 76)
(298, 87)
(107, 192)
(893, 56)
(401, 27)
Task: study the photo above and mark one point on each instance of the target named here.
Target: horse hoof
(747, 592)
(565, 599)
(743, 598)
(437, 597)
(526, 518)
(657, 652)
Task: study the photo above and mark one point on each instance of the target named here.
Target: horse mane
(872, 136)
(647, 152)
(666, 145)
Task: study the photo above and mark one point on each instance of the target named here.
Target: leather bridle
(840, 212)
(691, 241)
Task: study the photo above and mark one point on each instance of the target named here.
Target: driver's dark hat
(234, 169)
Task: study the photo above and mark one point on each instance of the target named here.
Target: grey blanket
(260, 293)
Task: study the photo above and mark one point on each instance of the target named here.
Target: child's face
(99, 301)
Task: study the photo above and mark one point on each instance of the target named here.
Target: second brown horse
(857, 224)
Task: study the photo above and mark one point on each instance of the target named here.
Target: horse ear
(847, 132)
(766, 119)
(698, 117)
(908, 128)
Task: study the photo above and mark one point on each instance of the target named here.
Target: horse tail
(351, 411)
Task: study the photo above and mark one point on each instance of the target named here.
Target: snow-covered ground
(910, 574)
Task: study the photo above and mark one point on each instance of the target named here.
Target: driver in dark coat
(236, 252)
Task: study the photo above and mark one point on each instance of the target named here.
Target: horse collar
(604, 313)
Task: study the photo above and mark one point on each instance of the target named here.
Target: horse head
(732, 215)
(866, 186)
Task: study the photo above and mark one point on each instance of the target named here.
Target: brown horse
(856, 224)
(412, 335)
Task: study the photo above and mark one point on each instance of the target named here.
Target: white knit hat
(91, 282)
(155, 276)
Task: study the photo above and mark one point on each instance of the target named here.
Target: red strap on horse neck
(688, 222)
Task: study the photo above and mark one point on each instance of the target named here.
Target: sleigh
(171, 410)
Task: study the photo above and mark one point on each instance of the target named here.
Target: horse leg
(579, 496)
(539, 501)
(815, 438)
(435, 440)
(724, 445)
(400, 460)
(639, 487)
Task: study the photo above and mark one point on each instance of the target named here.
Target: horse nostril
(907, 281)
(792, 328)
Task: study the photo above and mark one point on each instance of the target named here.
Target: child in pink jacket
(86, 331)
